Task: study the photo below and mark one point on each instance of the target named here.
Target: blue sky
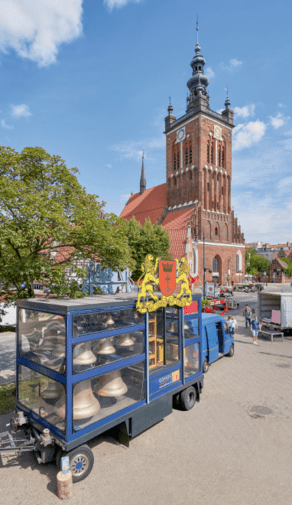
(90, 81)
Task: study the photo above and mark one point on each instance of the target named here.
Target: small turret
(170, 118)
(227, 113)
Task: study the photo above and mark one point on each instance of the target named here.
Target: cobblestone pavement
(234, 447)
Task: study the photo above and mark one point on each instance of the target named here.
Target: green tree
(147, 239)
(254, 263)
(43, 208)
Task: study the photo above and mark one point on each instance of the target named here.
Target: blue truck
(88, 365)
(217, 341)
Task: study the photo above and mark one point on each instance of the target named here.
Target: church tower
(198, 149)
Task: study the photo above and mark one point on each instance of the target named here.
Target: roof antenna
(226, 89)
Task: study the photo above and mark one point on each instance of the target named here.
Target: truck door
(212, 342)
(220, 333)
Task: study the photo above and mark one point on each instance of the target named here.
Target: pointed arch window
(223, 157)
(187, 156)
(212, 154)
(208, 152)
(174, 162)
(215, 265)
(178, 161)
(219, 155)
(191, 155)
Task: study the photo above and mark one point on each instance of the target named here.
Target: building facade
(194, 205)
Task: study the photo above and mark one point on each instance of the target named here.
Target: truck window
(226, 329)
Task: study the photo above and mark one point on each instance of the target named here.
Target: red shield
(167, 276)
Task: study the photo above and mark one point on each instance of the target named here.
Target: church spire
(142, 179)
(198, 83)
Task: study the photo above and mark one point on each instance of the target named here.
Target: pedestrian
(255, 327)
(232, 325)
(247, 314)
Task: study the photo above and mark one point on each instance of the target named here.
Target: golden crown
(167, 267)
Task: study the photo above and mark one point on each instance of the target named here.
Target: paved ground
(234, 447)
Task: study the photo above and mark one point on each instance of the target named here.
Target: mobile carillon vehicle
(87, 365)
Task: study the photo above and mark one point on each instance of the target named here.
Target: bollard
(64, 485)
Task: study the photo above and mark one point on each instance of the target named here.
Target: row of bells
(103, 320)
(85, 404)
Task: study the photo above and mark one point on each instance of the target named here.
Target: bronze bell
(48, 344)
(125, 340)
(109, 321)
(172, 327)
(111, 384)
(83, 355)
(53, 391)
(59, 349)
(186, 326)
(104, 346)
(85, 405)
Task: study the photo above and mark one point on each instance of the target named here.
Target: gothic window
(212, 154)
(191, 155)
(208, 153)
(217, 177)
(174, 181)
(219, 156)
(174, 163)
(223, 155)
(216, 231)
(238, 262)
(178, 160)
(215, 265)
(191, 175)
(187, 157)
(208, 186)
(217, 206)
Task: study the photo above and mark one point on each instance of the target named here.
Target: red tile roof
(175, 224)
(149, 204)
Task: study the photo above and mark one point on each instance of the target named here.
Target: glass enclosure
(163, 337)
(42, 338)
(84, 324)
(102, 351)
(95, 399)
(191, 328)
(191, 359)
(42, 395)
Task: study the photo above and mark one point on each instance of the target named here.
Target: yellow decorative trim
(149, 270)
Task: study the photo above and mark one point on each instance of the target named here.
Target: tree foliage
(147, 239)
(254, 263)
(287, 271)
(43, 208)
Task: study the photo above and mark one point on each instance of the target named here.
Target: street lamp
(204, 269)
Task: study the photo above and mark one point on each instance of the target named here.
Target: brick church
(194, 205)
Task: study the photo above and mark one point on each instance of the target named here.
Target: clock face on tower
(181, 134)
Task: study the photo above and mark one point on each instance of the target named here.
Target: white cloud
(109, 165)
(281, 105)
(20, 110)
(235, 63)
(245, 135)
(118, 3)
(134, 149)
(278, 120)
(246, 111)
(4, 125)
(36, 28)
(209, 72)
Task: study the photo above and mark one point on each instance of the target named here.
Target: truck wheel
(205, 366)
(81, 462)
(231, 351)
(188, 398)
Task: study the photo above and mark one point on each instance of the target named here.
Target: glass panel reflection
(42, 395)
(156, 339)
(172, 335)
(191, 328)
(103, 351)
(95, 399)
(191, 359)
(42, 338)
(83, 324)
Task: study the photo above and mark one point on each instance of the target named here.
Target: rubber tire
(176, 401)
(205, 366)
(231, 351)
(87, 456)
(188, 398)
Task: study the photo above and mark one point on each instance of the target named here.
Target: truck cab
(216, 339)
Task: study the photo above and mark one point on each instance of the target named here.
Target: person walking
(255, 327)
(247, 314)
(232, 325)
